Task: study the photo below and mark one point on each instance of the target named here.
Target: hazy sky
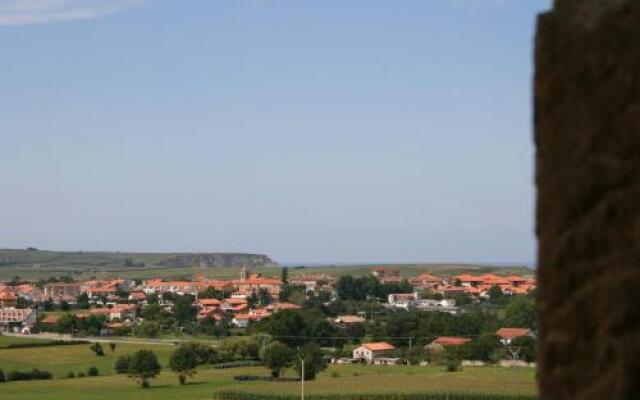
(312, 131)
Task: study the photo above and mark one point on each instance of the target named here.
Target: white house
(371, 351)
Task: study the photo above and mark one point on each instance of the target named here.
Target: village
(359, 318)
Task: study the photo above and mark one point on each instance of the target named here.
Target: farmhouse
(370, 351)
(440, 343)
(507, 335)
(348, 320)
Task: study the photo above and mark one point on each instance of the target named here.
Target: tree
(143, 366)
(82, 301)
(112, 346)
(481, 348)
(183, 362)
(97, 348)
(264, 297)
(277, 356)
(93, 371)
(314, 361)
(211, 293)
(520, 313)
(284, 276)
(183, 310)
(526, 346)
(2, 378)
(495, 292)
(122, 364)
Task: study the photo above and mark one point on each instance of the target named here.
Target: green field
(60, 360)
(337, 379)
(6, 340)
(104, 272)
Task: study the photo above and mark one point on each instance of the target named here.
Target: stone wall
(587, 133)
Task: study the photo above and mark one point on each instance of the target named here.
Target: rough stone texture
(587, 133)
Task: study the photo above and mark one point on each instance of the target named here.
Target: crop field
(338, 379)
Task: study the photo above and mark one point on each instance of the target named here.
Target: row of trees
(144, 365)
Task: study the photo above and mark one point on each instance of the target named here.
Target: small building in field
(348, 320)
(507, 335)
(370, 351)
(442, 342)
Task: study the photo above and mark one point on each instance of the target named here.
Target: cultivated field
(337, 379)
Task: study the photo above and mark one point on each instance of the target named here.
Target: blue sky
(312, 131)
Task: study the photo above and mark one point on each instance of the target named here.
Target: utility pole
(302, 382)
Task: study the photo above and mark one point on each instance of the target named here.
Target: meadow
(337, 379)
(86, 272)
(60, 360)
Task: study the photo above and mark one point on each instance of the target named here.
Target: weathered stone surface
(587, 133)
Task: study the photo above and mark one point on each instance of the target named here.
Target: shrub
(93, 371)
(71, 374)
(81, 375)
(122, 364)
(44, 344)
(34, 374)
(453, 364)
(97, 348)
(1, 376)
(335, 374)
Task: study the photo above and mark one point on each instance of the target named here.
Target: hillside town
(348, 311)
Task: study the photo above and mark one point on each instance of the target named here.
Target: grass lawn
(60, 360)
(337, 379)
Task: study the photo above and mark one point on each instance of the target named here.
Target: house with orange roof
(254, 282)
(442, 342)
(242, 320)
(507, 335)
(8, 298)
(119, 312)
(368, 352)
(208, 304)
(348, 320)
(425, 281)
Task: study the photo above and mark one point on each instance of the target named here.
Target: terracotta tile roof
(349, 319)
(511, 333)
(378, 346)
(209, 302)
(426, 277)
(467, 278)
(50, 319)
(7, 295)
(451, 341)
(282, 306)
